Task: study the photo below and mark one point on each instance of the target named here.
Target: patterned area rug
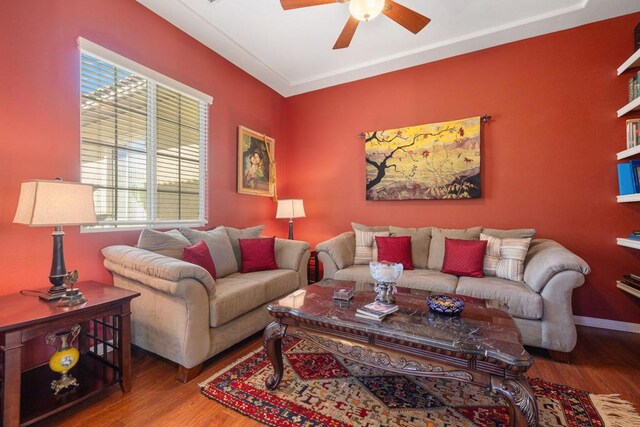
(319, 389)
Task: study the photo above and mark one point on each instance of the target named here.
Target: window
(143, 144)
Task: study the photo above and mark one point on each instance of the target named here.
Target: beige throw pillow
(365, 242)
(245, 233)
(515, 233)
(436, 249)
(504, 258)
(420, 241)
(169, 243)
(219, 247)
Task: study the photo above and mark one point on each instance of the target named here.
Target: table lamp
(56, 203)
(291, 208)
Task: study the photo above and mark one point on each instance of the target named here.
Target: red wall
(548, 155)
(39, 120)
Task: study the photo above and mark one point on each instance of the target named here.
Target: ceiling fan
(365, 10)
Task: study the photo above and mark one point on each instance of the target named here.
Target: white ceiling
(291, 51)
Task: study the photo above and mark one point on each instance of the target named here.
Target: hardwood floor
(604, 362)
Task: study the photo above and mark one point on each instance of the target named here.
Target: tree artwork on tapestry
(431, 161)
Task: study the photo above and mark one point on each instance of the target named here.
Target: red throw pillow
(257, 254)
(395, 249)
(464, 257)
(199, 254)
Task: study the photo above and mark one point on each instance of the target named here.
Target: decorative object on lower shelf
(65, 358)
(445, 304)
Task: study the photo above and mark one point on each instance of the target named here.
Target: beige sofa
(186, 316)
(540, 305)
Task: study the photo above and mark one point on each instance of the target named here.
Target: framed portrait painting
(256, 163)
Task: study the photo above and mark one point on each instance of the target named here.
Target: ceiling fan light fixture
(366, 10)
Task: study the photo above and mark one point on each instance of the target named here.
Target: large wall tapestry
(432, 161)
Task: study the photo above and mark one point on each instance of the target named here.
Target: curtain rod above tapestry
(483, 119)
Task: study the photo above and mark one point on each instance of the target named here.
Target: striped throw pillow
(504, 258)
(365, 245)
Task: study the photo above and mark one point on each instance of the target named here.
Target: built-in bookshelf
(628, 198)
(628, 289)
(629, 243)
(632, 150)
(630, 107)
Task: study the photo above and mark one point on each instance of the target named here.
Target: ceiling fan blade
(347, 33)
(295, 4)
(409, 19)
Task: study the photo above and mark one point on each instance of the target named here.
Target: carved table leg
(272, 341)
(523, 409)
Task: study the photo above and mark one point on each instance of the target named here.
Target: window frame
(153, 79)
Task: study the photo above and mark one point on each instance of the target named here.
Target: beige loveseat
(540, 304)
(186, 316)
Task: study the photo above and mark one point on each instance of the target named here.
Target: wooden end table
(482, 346)
(104, 344)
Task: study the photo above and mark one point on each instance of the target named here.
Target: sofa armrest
(337, 252)
(545, 259)
(289, 253)
(154, 270)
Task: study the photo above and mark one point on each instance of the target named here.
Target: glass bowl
(385, 272)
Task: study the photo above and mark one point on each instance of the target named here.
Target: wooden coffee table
(481, 346)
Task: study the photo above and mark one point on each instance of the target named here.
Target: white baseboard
(607, 324)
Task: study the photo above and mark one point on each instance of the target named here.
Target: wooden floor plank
(604, 362)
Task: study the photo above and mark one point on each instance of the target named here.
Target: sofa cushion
(238, 293)
(505, 257)
(420, 241)
(516, 233)
(395, 249)
(365, 240)
(436, 248)
(414, 279)
(199, 254)
(219, 247)
(238, 233)
(463, 257)
(170, 243)
(257, 254)
(522, 301)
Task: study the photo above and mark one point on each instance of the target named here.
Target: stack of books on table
(376, 310)
(631, 283)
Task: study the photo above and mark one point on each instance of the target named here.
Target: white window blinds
(143, 147)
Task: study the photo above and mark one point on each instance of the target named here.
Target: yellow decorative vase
(65, 358)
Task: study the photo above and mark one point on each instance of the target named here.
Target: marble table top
(483, 328)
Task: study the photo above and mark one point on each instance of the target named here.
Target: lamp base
(53, 294)
(71, 298)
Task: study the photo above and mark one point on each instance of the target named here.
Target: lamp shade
(291, 208)
(55, 203)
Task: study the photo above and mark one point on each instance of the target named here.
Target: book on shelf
(626, 183)
(633, 131)
(633, 236)
(635, 169)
